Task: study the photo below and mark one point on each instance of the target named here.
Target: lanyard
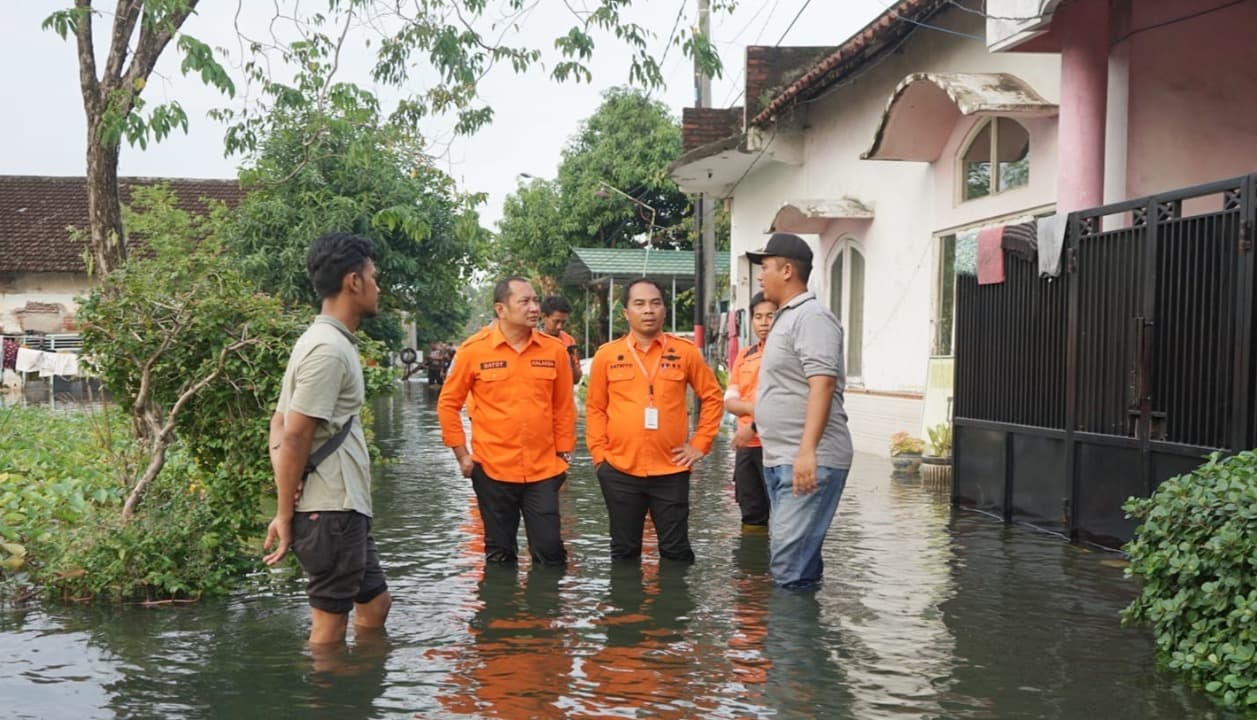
(650, 377)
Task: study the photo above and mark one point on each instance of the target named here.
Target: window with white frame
(846, 299)
(996, 159)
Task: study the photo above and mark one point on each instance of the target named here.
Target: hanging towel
(967, 252)
(990, 255)
(65, 364)
(47, 364)
(1021, 240)
(10, 354)
(27, 360)
(1051, 243)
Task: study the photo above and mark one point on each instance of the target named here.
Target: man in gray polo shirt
(806, 454)
(329, 526)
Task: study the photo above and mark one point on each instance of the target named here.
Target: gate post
(1071, 271)
(1241, 435)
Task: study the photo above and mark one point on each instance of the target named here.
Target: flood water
(926, 613)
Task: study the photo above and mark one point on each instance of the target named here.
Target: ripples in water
(925, 613)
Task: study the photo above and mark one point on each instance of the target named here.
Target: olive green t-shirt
(324, 381)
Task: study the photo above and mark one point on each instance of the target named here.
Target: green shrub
(1196, 552)
(182, 546)
(56, 473)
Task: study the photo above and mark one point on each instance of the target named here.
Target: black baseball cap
(783, 245)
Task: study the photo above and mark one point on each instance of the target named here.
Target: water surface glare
(925, 613)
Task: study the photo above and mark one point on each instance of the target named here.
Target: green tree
(188, 347)
(345, 169)
(627, 144)
(461, 40)
(531, 240)
(624, 148)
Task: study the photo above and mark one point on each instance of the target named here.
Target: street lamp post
(650, 236)
(650, 230)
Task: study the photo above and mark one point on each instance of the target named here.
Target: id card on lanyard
(650, 420)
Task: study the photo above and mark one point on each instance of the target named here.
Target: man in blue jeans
(806, 458)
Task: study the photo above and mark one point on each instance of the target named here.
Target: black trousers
(749, 487)
(629, 498)
(502, 503)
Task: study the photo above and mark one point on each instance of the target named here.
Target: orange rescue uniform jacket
(745, 375)
(524, 413)
(619, 393)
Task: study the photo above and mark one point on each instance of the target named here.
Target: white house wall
(17, 290)
(912, 202)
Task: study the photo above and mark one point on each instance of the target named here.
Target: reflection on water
(925, 614)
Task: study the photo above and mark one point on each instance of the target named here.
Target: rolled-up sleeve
(818, 345)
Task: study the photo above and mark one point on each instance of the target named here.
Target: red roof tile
(35, 212)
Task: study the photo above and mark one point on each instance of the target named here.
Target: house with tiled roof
(877, 151)
(42, 267)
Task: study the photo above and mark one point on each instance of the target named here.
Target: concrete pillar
(1117, 119)
(1083, 27)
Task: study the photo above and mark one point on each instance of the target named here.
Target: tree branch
(125, 17)
(188, 394)
(155, 34)
(162, 434)
(88, 83)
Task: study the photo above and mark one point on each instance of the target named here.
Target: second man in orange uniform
(636, 425)
(523, 428)
(555, 310)
(748, 463)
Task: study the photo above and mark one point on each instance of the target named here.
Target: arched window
(846, 299)
(1008, 142)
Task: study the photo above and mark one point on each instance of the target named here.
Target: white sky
(43, 131)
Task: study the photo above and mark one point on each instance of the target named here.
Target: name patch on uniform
(492, 364)
(542, 363)
(618, 365)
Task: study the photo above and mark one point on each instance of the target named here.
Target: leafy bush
(190, 350)
(183, 546)
(55, 474)
(1196, 552)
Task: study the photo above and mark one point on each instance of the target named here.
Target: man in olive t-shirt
(325, 516)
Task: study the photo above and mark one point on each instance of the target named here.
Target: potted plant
(905, 452)
(936, 464)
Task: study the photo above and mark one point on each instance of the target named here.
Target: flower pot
(936, 471)
(905, 463)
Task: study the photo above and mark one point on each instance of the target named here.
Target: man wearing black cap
(806, 457)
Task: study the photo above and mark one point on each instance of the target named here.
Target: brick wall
(771, 69)
(700, 126)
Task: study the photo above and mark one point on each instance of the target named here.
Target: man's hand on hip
(686, 455)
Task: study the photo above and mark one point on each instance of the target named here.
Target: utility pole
(704, 213)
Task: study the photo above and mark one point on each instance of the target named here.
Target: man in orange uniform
(523, 427)
(748, 463)
(636, 425)
(555, 310)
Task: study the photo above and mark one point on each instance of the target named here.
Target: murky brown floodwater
(926, 614)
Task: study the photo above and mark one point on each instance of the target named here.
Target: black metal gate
(1075, 393)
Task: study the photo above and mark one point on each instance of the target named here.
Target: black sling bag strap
(329, 447)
